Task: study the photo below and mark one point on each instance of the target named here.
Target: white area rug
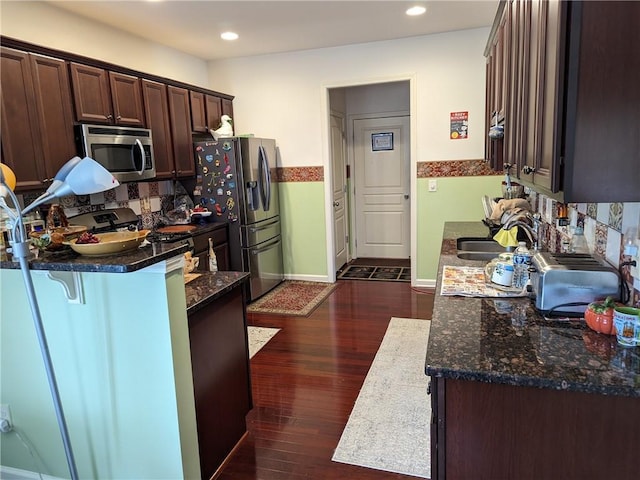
(258, 338)
(388, 428)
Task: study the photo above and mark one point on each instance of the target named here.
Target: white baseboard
(425, 283)
(308, 278)
(10, 473)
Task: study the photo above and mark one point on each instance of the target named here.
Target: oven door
(264, 263)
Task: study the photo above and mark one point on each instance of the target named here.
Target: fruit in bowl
(55, 239)
(599, 316)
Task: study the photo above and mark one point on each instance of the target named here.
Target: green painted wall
(304, 231)
(119, 359)
(303, 228)
(457, 199)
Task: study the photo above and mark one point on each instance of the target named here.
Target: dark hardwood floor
(307, 378)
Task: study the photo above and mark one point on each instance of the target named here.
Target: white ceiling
(265, 27)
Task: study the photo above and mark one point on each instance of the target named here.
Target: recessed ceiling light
(229, 36)
(417, 10)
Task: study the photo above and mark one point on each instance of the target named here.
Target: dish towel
(507, 238)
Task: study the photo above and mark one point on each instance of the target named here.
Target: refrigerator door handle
(256, 251)
(264, 226)
(265, 178)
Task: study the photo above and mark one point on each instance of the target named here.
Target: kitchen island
(515, 395)
(119, 335)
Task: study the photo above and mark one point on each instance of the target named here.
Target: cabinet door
(157, 118)
(222, 257)
(21, 145)
(214, 111)
(221, 377)
(227, 107)
(198, 112)
(547, 173)
(55, 111)
(127, 99)
(180, 119)
(91, 94)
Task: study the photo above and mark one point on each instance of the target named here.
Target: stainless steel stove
(115, 219)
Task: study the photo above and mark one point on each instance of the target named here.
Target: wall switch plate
(433, 185)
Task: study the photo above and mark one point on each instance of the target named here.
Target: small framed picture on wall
(381, 141)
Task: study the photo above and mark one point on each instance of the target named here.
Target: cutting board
(177, 229)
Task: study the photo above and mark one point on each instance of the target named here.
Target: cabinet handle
(109, 117)
(119, 117)
(336, 204)
(527, 170)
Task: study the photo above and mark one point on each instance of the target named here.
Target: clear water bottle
(521, 264)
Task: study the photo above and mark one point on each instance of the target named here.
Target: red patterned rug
(293, 297)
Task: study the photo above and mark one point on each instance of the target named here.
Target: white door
(382, 186)
(339, 190)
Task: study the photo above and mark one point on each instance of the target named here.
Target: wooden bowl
(110, 243)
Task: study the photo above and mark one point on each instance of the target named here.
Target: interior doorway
(381, 187)
(376, 179)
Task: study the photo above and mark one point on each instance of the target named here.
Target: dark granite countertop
(210, 286)
(507, 341)
(68, 260)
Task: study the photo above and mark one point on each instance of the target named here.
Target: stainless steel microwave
(125, 151)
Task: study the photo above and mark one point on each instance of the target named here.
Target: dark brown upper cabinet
(206, 111)
(157, 115)
(37, 117)
(572, 71)
(106, 97)
(180, 121)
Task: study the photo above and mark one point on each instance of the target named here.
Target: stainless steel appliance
(126, 152)
(237, 181)
(117, 219)
(566, 283)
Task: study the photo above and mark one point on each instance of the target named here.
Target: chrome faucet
(531, 229)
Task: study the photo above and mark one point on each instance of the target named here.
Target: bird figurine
(225, 129)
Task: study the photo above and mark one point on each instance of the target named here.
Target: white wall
(43, 24)
(282, 96)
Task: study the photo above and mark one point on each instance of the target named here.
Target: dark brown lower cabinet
(221, 377)
(495, 431)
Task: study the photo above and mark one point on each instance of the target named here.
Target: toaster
(565, 283)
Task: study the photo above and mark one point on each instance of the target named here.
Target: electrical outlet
(5, 419)
(433, 185)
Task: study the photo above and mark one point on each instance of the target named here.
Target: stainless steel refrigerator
(237, 182)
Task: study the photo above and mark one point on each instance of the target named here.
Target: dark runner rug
(388, 274)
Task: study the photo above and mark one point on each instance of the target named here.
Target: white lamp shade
(85, 177)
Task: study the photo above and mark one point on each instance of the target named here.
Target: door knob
(406, 196)
(336, 204)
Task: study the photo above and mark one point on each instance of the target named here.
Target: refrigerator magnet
(226, 146)
(208, 158)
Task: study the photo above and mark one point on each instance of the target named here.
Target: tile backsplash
(147, 199)
(604, 224)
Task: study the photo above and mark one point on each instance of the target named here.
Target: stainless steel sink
(473, 244)
(477, 255)
(478, 248)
